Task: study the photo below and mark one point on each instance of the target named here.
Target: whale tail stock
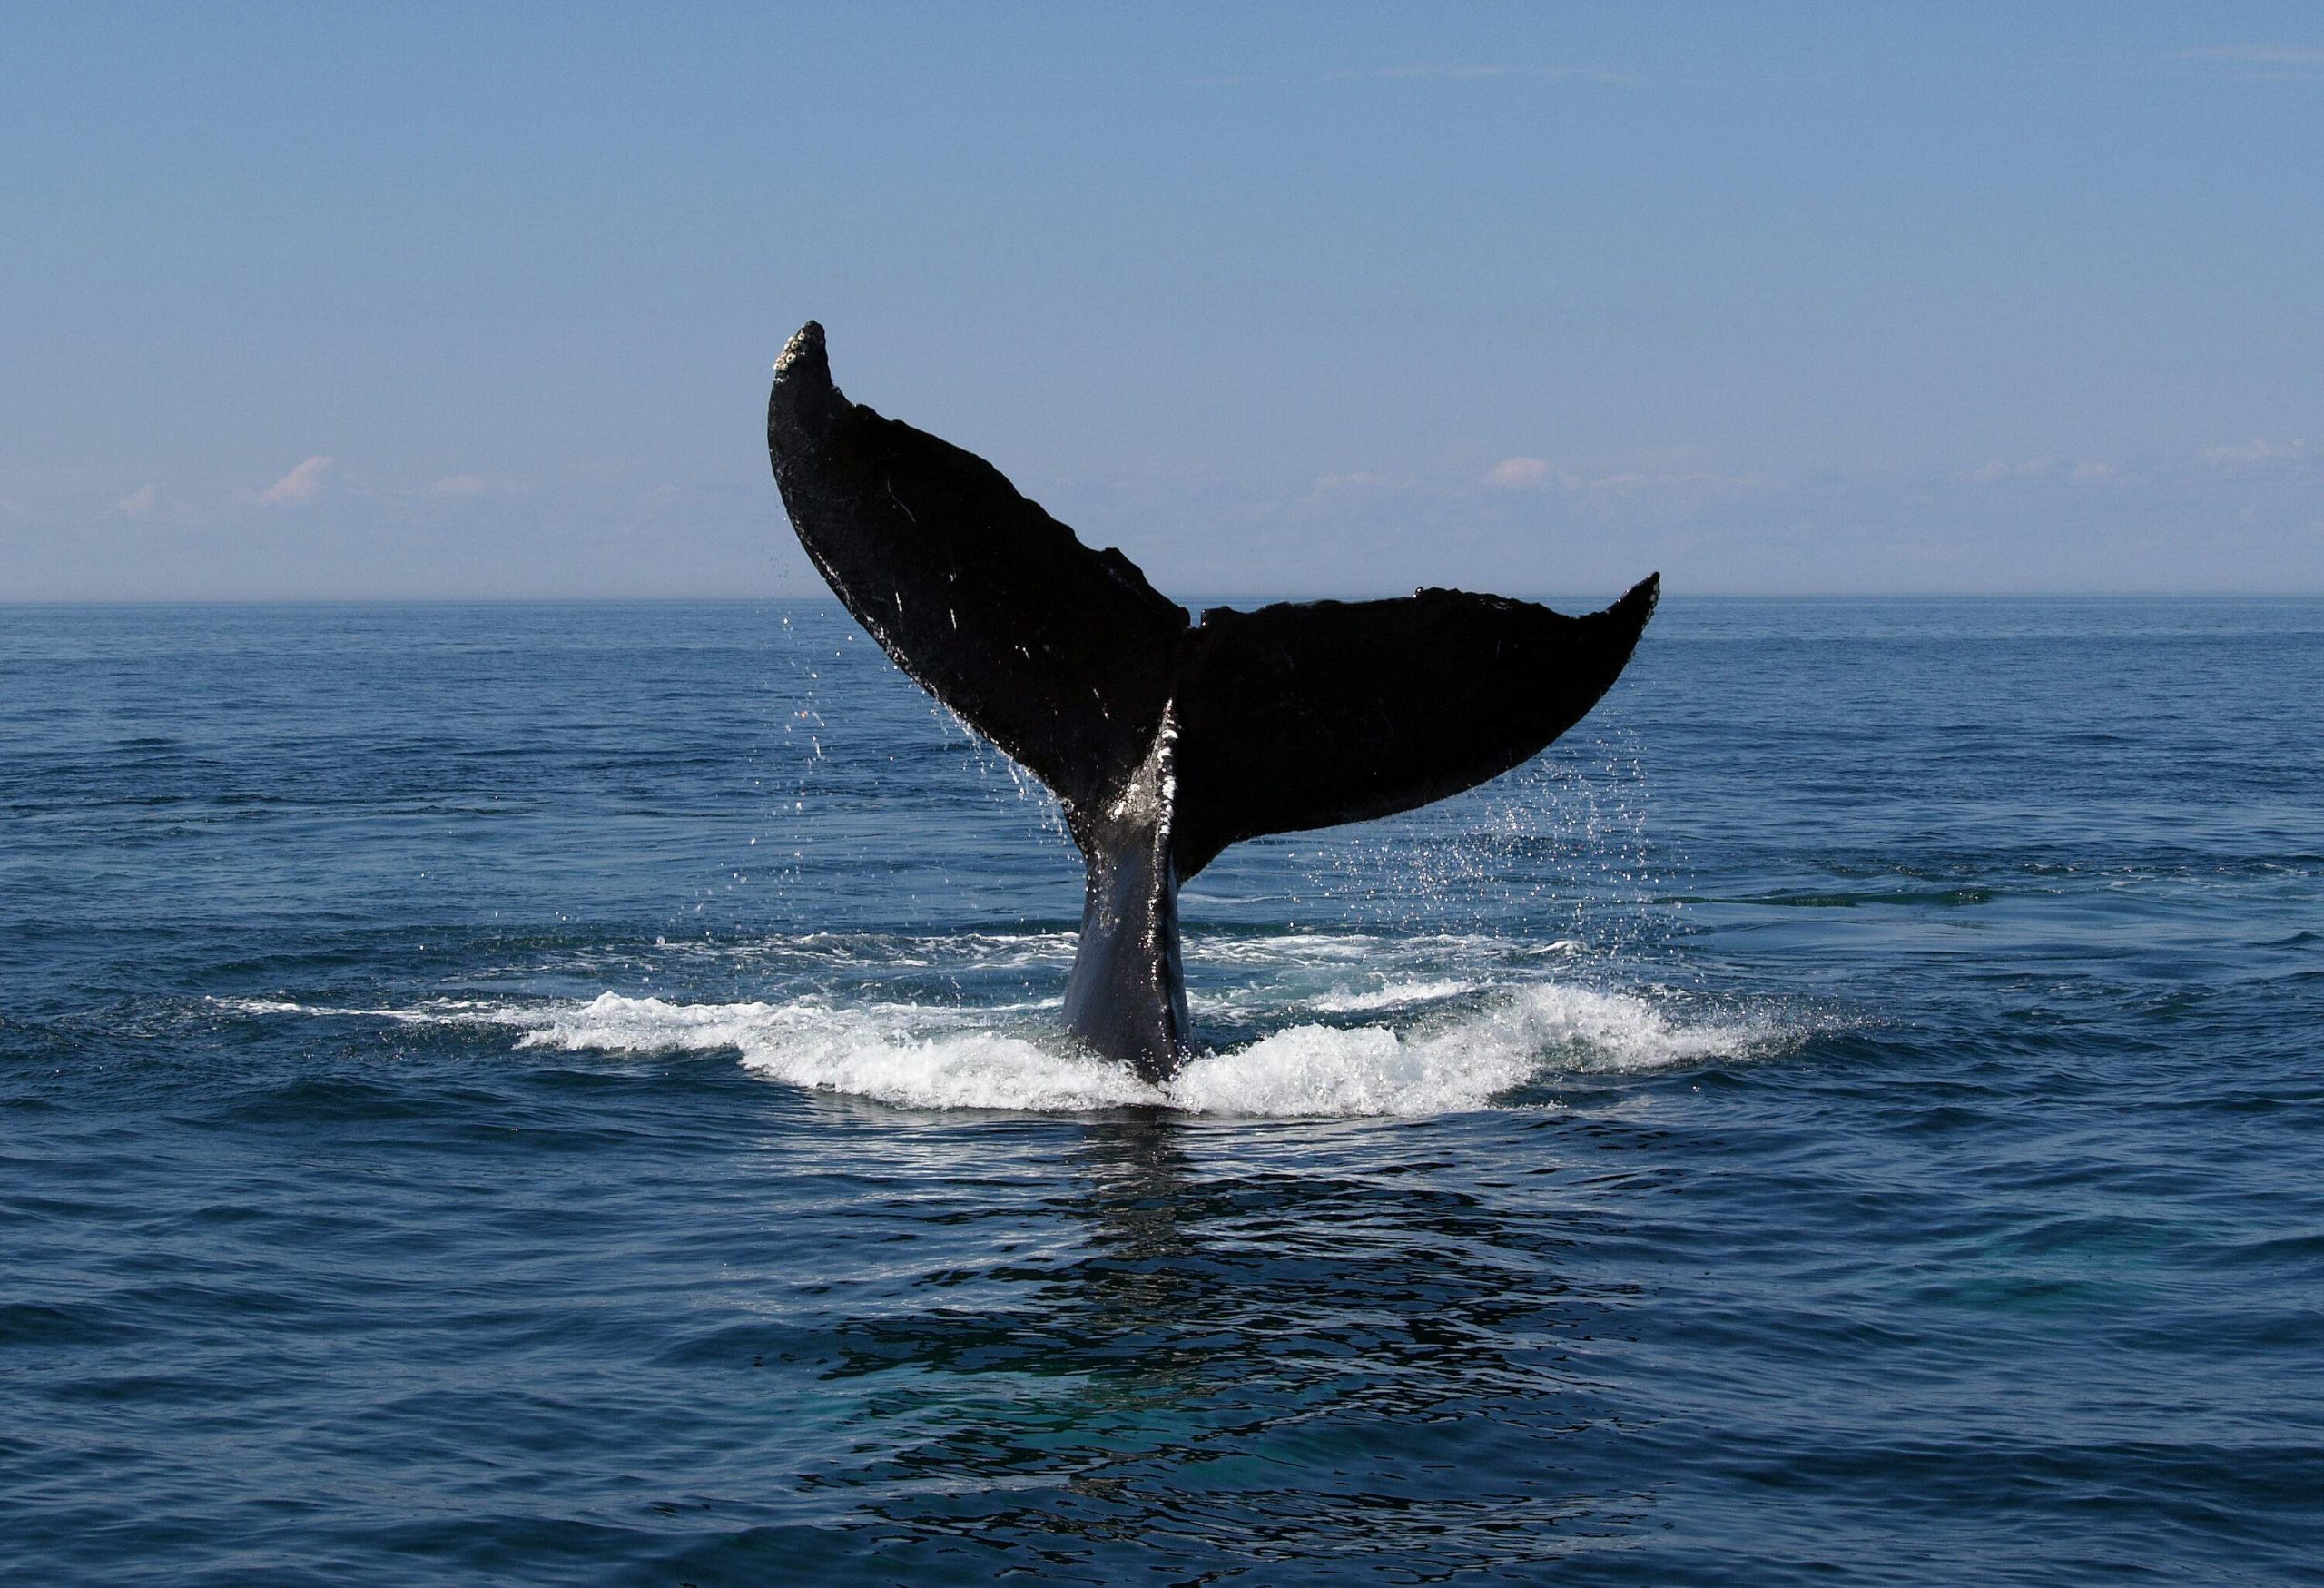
(1165, 740)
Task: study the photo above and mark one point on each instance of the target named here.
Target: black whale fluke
(1164, 740)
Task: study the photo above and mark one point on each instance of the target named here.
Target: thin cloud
(1448, 69)
(1680, 491)
(460, 485)
(1997, 470)
(2260, 63)
(2258, 449)
(2258, 54)
(299, 487)
(1480, 71)
(1419, 71)
(1624, 484)
(137, 504)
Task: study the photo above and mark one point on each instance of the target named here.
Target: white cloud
(2258, 62)
(2049, 466)
(1995, 471)
(137, 504)
(1519, 473)
(459, 484)
(299, 487)
(2258, 449)
(2258, 54)
(1448, 69)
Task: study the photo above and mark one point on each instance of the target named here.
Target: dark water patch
(328, 1100)
(83, 1325)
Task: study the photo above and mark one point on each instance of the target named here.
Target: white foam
(1434, 1044)
(1393, 995)
(1453, 1065)
(433, 1013)
(918, 1056)
(922, 1056)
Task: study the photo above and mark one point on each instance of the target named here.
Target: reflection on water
(1256, 1355)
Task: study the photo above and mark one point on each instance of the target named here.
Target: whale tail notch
(1165, 740)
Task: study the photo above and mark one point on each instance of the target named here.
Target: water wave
(916, 1055)
(1390, 995)
(1434, 1045)
(921, 1055)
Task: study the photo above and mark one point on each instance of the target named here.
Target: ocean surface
(555, 1094)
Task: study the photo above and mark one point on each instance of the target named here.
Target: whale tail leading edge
(1165, 740)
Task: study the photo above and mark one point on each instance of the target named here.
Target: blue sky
(404, 301)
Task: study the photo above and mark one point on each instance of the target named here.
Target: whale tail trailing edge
(1164, 740)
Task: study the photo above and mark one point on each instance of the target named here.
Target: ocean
(552, 1094)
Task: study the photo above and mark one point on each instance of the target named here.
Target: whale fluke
(1061, 655)
(1164, 740)
(1315, 712)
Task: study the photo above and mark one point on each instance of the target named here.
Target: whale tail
(1165, 740)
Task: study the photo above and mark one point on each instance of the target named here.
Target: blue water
(570, 1094)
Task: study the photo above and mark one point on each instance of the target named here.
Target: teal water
(552, 1094)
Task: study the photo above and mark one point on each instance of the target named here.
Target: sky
(404, 301)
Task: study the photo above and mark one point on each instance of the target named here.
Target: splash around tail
(1166, 739)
